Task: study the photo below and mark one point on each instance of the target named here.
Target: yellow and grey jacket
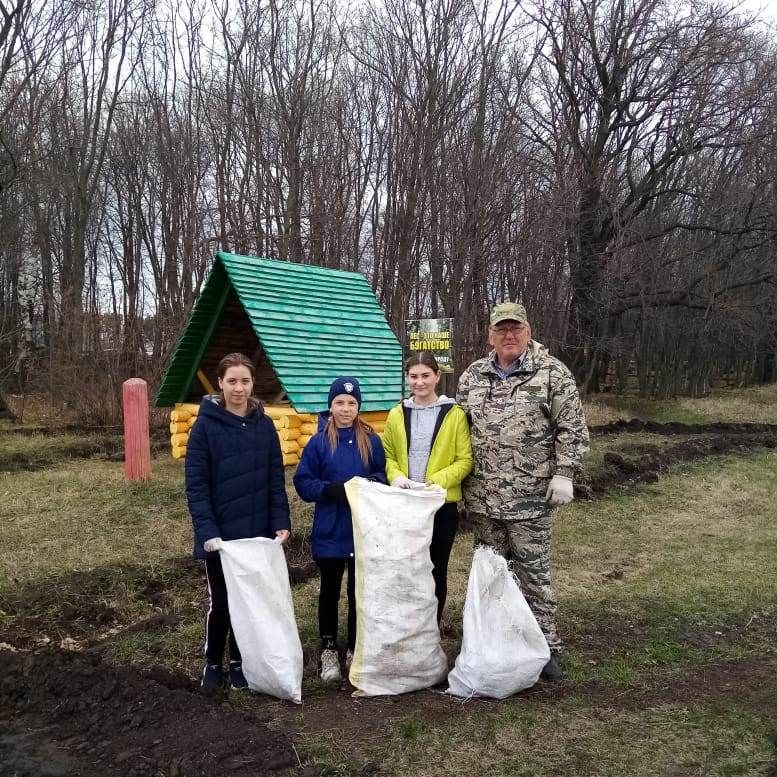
(525, 429)
(450, 457)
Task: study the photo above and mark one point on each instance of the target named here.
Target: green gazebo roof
(312, 324)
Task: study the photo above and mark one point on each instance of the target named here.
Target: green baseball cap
(508, 311)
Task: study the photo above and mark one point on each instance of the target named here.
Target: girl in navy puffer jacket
(235, 489)
(344, 447)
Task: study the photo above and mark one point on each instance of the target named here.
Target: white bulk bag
(397, 640)
(503, 649)
(262, 615)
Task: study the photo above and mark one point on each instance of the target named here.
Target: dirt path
(362, 722)
(68, 714)
(634, 464)
(675, 427)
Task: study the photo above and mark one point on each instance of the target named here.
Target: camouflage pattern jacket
(525, 429)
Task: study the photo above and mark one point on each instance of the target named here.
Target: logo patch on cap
(348, 386)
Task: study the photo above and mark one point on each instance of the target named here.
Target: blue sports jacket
(234, 476)
(332, 535)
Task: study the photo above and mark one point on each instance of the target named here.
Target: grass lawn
(741, 405)
(668, 603)
(34, 451)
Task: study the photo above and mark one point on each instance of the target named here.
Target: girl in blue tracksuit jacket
(344, 447)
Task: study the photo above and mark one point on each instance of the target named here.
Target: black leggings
(217, 625)
(332, 570)
(446, 522)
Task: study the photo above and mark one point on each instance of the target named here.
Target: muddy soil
(68, 714)
(105, 448)
(638, 425)
(635, 464)
(102, 442)
(77, 604)
(53, 431)
(363, 723)
(64, 713)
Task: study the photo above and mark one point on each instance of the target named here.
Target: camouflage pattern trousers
(523, 538)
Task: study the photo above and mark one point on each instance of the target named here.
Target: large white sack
(262, 615)
(503, 649)
(397, 640)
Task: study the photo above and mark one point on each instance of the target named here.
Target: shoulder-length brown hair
(361, 431)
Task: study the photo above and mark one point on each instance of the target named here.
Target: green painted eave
(314, 324)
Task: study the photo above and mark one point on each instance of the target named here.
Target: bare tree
(635, 89)
(611, 163)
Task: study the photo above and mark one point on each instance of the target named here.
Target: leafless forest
(611, 163)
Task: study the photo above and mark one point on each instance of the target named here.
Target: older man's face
(509, 339)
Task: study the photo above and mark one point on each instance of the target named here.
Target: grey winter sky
(766, 8)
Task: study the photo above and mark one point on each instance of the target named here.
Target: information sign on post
(432, 334)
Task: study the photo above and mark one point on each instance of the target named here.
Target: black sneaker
(552, 671)
(237, 680)
(212, 678)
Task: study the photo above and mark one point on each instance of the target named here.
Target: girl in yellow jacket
(426, 440)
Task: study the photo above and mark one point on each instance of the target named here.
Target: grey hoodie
(422, 421)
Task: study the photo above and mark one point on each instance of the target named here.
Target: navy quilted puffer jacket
(234, 477)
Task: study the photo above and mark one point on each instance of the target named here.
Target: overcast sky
(767, 8)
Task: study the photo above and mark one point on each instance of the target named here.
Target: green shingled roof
(313, 323)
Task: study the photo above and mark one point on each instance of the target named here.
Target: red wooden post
(137, 448)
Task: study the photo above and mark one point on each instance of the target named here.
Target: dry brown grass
(84, 515)
(572, 738)
(755, 404)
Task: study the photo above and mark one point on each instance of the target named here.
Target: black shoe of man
(552, 671)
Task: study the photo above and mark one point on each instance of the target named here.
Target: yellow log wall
(294, 429)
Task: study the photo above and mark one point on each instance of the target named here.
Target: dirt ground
(645, 463)
(361, 721)
(65, 713)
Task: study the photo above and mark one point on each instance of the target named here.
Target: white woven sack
(397, 640)
(262, 615)
(503, 649)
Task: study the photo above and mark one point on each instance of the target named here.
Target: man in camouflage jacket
(529, 437)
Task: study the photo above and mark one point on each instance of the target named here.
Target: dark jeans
(446, 522)
(217, 625)
(332, 570)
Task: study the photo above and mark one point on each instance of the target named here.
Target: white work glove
(212, 545)
(560, 491)
(400, 481)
